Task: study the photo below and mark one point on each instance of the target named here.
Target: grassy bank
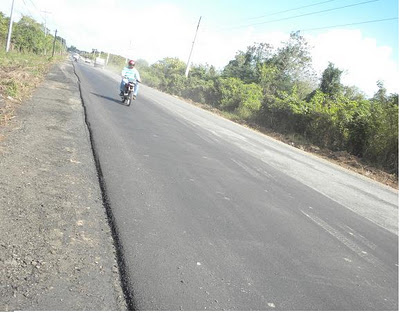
(20, 74)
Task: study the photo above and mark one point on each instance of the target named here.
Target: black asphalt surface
(205, 224)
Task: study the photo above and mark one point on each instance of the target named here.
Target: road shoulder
(56, 248)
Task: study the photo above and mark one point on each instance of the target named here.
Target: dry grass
(20, 74)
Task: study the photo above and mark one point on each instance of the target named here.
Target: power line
(294, 9)
(306, 14)
(43, 17)
(284, 11)
(358, 23)
(19, 12)
(26, 7)
(34, 5)
(35, 8)
(29, 11)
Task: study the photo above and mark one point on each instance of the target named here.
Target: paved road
(211, 215)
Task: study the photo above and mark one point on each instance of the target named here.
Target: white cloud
(219, 48)
(363, 61)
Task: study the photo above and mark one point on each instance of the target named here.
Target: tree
(142, 64)
(170, 73)
(293, 62)
(28, 36)
(245, 65)
(353, 93)
(380, 95)
(330, 82)
(267, 75)
(383, 146)
(4, 21)
(169, 66)
(238, 68)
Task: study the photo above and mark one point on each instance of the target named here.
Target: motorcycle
(128, 96)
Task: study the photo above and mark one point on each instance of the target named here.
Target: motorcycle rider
(130, 73)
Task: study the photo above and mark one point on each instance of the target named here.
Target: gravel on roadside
(56, 246)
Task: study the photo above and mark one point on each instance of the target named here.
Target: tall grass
(19, 73)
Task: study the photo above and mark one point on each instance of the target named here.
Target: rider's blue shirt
(130, 73)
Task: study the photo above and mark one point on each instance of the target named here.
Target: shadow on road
(109, 98)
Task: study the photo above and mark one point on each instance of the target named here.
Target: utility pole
(54, 43)
(108, 57)
(62, 49)
(190, 55)
(45, 29)
(45, 22)
(10, 27)
(129, 52)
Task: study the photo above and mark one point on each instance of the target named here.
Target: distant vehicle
(87, 60)
(76, 57)
(99, 62)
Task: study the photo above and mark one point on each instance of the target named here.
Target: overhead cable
(351, 24)
(306, 14)
(294, 9)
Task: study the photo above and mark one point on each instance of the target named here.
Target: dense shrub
(229, 93)
(200, 90)
(250, 100)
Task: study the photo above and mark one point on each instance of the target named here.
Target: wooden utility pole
(10, 27)
(191, 50)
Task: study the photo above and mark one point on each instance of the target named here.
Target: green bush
(150, 79)
(176, 84)
(382, 134)
(235, 96)
(250, 100)
(200, 90)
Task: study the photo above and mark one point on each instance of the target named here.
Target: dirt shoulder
(341, 158)
(56, 248)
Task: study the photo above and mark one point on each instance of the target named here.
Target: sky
(359, 37)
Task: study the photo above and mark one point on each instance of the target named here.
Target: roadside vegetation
(27, 62)
(19, 73)
(276, 90)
